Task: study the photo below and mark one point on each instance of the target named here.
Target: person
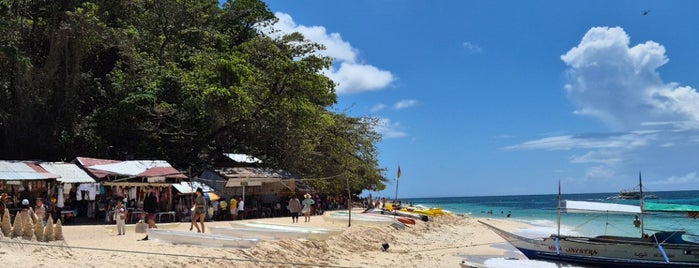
(120, 217)
(307, 203)
(294, 208)
(214, 210)
(193, 216)
(40, 211)
(199, 209)
(636, 222)
(222, 210)
(233, 206)
(150, 207)
(3, 204)
(241, 209)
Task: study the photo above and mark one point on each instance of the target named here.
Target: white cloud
(471, 47)
(351, 76)
(685, 179)
(620, 85)
(354, 78)
(404, 104)
(377, 108)
(654, 125)
(568, 142)
(389, 129)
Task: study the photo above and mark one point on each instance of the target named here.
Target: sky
(480, 98)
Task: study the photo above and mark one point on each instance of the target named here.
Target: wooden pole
(349, 203)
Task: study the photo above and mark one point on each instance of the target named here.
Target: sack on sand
(141, 227)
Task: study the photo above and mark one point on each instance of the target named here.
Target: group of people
(39, 209)
(296, 207)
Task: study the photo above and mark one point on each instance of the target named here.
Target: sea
(539, 211)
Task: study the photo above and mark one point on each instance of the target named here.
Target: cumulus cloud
(389, 129)
(619, 84)
(404, 104)
(653, 124)
(350, 75)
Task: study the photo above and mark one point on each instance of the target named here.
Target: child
(120, 217)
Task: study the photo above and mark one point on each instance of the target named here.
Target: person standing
(241, 208)
(120, 217)
(294, 208)
(214, 208)
(233, 207)
(40, 211)
(150, 207)
(199, 209)
(222, 210)
(307, 203)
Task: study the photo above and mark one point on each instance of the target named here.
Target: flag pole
(397, 180)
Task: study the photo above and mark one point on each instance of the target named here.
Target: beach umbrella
(211, 196)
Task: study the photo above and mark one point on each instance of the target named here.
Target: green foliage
(181, 80)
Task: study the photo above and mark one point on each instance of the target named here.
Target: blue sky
(509, 97)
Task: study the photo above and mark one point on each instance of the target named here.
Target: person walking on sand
(241, 208)
(120, 217)
(307, 203)
(150, 207)
(294, 208)
(199, 209)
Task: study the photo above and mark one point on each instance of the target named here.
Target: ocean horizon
(539, 211)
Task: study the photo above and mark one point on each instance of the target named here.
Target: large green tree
(182, 80)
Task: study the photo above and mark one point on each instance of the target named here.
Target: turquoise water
(540, 211)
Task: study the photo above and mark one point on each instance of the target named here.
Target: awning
(191, 187)
(70, 173)
(23, 171)
(598, 207)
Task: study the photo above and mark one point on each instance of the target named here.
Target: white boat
(263, 233)
(358, 218)
(199, 239)
(311, 233)
(661, 249)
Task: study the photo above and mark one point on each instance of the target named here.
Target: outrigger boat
(661, 249)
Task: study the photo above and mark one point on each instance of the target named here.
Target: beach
(444, 241)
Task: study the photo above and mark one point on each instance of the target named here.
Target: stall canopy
(23, 171)
(249, 176)
(191, 187)
(103, 168)
(69, 173)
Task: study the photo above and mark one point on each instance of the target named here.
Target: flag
(398, 175)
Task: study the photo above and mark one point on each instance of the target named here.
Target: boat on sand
(200, 239)
(267, 233)
(311, 233)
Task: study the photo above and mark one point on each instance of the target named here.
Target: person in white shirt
(120, 217)
(241, 209)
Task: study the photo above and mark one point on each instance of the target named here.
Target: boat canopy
(664, 207)
(571, 206)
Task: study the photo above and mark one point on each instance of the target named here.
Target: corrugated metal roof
(137, 168)
(17, 170)
(243, 158)
(70, 173)
(191, 187)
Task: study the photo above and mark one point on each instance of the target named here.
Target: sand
(443, 242)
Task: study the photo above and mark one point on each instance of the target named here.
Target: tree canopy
(181, 80)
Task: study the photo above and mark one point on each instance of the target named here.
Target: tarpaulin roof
(135, 168)
(191, 187)
(243, 158)
(69, 172)
(17, 170)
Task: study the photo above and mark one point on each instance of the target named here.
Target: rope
(453, 247)
(174, 255)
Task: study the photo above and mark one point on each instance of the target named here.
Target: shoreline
(442, 242)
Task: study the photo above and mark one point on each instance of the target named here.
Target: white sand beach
(439, 243)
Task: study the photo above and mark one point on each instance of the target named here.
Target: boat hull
(358, 218)
(199, 239)
(311, 233)
(619, 252)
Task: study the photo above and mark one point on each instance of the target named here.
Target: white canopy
(597, 207)
(70, 173)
